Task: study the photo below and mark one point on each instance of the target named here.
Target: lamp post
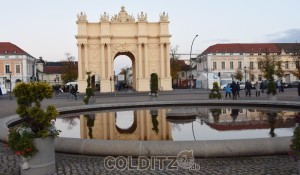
(10, 97)
(245, 74)
(206, 69)
(191, 61)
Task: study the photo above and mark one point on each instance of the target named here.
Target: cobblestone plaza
(79, 164)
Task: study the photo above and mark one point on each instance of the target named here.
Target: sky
(48, 28)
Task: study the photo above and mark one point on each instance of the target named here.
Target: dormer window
(5, 52)
(15, 51)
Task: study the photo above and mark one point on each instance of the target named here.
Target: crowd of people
(233, 89)
(72, 89)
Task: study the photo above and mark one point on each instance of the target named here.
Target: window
(231, 53)
(259, 65)
(214, 65)
(240, 64)
(286, 65)
(7, 69)
(251, 54)
(241, 53)
(223, 65)
(182, 74)
(252, 77)
(231, 64)
(214, 53)
(18, 69)
(259, 78)
(259, 54)
(251, 65)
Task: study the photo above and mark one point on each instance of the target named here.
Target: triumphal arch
(145, 43)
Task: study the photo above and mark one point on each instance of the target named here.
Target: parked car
(242, 85)
(294, 84)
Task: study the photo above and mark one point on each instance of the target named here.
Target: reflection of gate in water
(105, 127)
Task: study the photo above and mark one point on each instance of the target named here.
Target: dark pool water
(153, 124)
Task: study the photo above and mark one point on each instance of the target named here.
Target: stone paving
(78, 164)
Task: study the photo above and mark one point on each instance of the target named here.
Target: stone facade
(15, 60)
(227, 58)
(147, 44)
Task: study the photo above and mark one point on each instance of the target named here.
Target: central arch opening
(124, 71)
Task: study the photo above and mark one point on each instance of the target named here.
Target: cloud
(288, 36)
(220, 40)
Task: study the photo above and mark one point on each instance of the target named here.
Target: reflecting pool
(153, 124)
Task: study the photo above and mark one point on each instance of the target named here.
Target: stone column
(146, 62)
(86, 61)
(102, 61)
(162, 65)
(109, 61)
(140, 61)
(168, 60)
(79, 62)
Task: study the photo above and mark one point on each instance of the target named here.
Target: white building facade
(226, 59)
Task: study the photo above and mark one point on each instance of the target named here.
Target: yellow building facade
(147, 44)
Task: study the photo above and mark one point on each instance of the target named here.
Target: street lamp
(191, 61)
(10, 97)
(245, 74)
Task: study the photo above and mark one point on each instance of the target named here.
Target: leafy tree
(269, 66)
(279, 72)
(69, 69)
(238, 75)
(175, 67)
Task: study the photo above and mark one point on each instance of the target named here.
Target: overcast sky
(47, 28)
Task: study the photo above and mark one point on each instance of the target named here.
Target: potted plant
(215, 92)
(295, 142)
(33, 139)
(89, 91)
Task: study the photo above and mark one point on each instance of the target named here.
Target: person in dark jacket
(238, 91)
(234, 89)
(248, 87)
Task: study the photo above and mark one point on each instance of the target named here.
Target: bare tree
(175, 67)
(69, 72)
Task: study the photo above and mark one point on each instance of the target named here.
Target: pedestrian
(262, 86)
(299, 89)
(238, 91)
(228, 90)
(257, 91)
(279, 86)
(248, 87)
(234, 89)
(282, 87)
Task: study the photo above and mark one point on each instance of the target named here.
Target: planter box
(42, 162)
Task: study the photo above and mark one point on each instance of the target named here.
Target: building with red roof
(16, 65)
(226, 59)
